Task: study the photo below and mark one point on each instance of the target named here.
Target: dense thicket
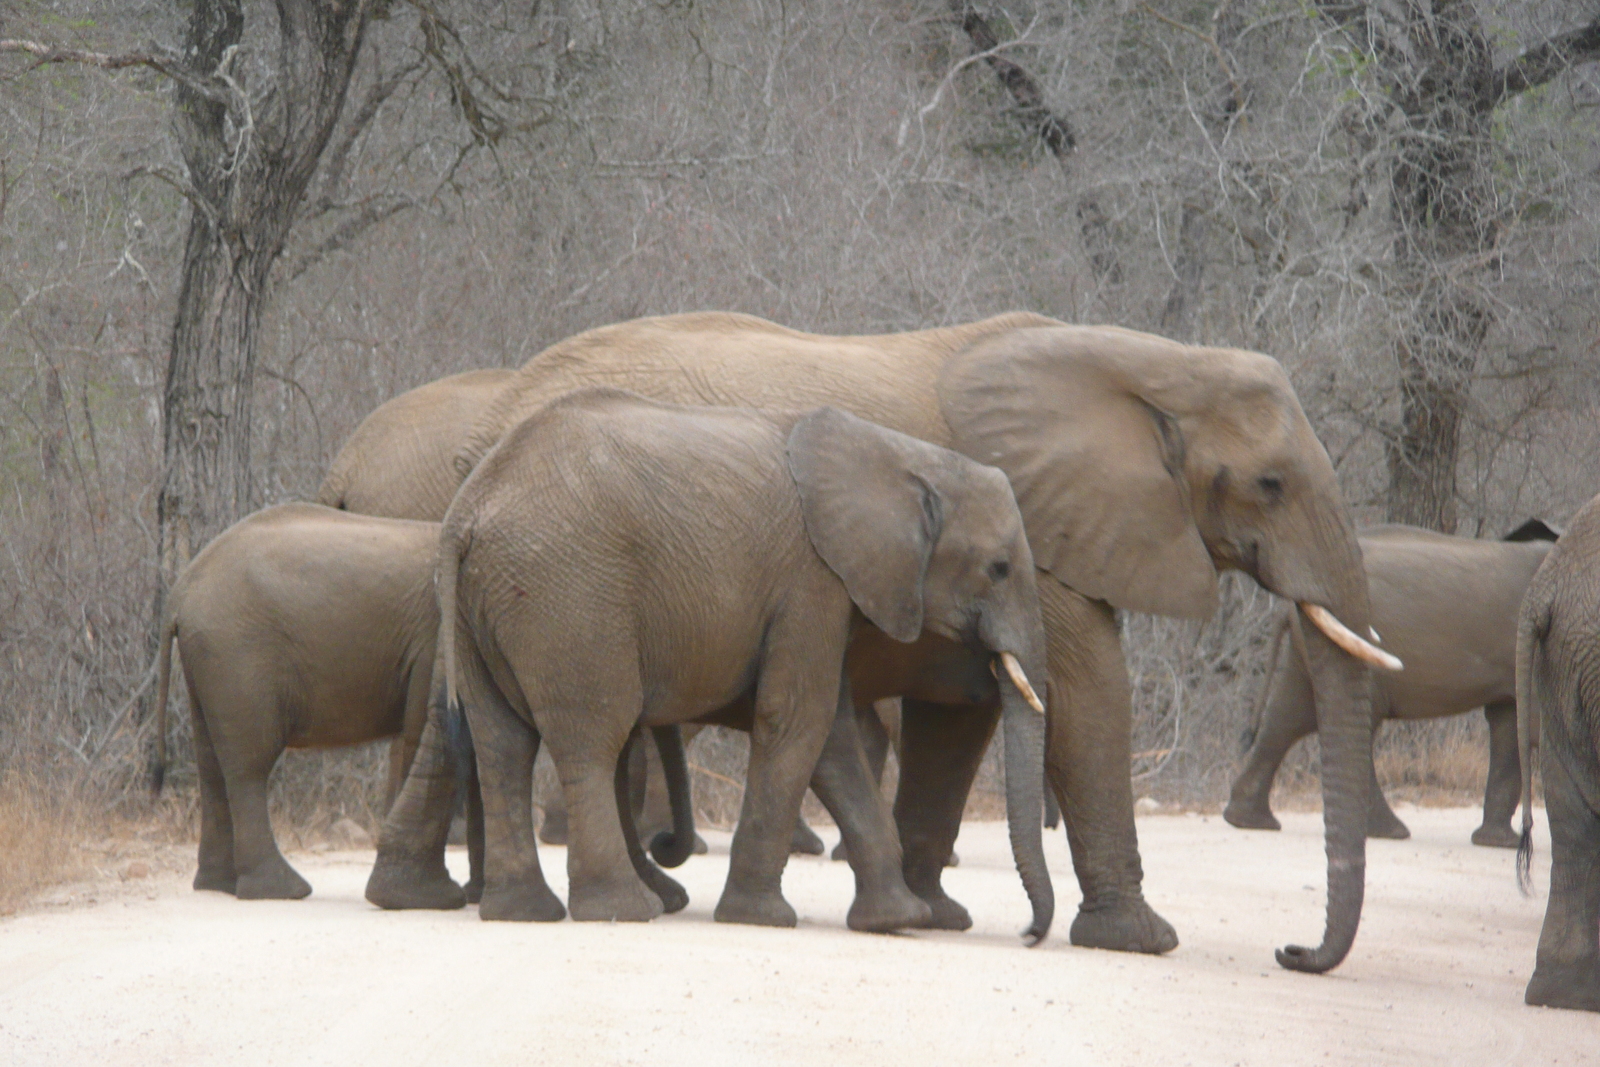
(1343, 185)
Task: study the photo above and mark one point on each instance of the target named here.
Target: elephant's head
(1143, 467)
(925, 539)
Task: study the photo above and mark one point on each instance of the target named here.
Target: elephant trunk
(1024, 754)
(1019, 668)
(1344, 722)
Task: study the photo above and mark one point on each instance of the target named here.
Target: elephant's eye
(1271, 484)
(999, 569)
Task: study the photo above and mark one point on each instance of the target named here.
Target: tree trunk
(1443, 210)
(250, 153)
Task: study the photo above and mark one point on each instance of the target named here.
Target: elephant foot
(399, 886)
(1575, 987)
(889, 909)
(1125, 926)
(625, 900)
(953, 860)
(840, 852)
(804, 841)
(700, 846)
(754, 909)
(217, 881)
(520, 903)
(1250, 816)
(674, 898)
(1495, 836)
(1384, 823)
(473, 890)
(273, 880)
(948, 914)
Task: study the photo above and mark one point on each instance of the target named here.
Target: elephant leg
(1566, 972)
(262, 872)
(941, 748)
(1381, 819)
(803, 840)
(514, 887)
(409, 871)
(553, 828)
(1290, 713)
(399, 760)
(674, 897)
(843, 781)
(216, 818)
(1089, 765)
(796, 701)
(475, 842)
(875, 745)
(1504, 783)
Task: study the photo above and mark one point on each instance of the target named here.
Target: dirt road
(153, 973)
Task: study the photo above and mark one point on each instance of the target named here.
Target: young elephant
(617, 562)
(1447, 606)
(1558, 699)
(299, 627)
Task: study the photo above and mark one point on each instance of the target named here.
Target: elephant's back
(312, 578)
(399, 461)
(728, 360)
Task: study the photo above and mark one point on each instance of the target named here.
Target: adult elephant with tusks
(1141, 466)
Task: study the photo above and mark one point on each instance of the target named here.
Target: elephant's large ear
(1098, 470)
(871, 516)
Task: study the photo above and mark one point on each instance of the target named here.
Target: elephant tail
(671, 848)
(158, 769)
(1531, 691)
(452, 547)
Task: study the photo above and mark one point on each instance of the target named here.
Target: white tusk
(1019, 678)
(1341, 635)
(1375, 638)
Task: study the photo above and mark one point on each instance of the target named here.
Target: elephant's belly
(1428, 698)
(333, 716)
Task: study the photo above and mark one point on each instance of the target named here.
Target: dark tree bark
(250, 152)
(1440, 87)
(1052, 130)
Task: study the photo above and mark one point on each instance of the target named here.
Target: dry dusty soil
(149, 972)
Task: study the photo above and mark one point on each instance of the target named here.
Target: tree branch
(1050, 128)
(1542, 64)
(208, 86)
(371, 213)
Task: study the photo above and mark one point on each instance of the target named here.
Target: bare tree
(1435, 89)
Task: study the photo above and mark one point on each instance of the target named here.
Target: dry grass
(42, 835)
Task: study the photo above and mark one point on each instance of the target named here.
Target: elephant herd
(709, 518)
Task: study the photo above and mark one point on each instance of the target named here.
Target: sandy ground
(148, 972)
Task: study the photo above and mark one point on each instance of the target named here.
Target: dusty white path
(153, 973)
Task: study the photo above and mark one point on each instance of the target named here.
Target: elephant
(1142, 468)
(1445, 605)
(1558, 711)
(617, 562)
(298, 627)
(410, 441)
